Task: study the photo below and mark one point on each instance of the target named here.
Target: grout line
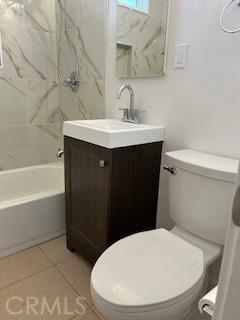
(59, 271)
(30, 276)
(74, 317)
(75, 290)
(93, 311)
(56, 237)
(88, 307)
(96, 314)
(55, 266)
(46, 255)
(52, 262)
(18, 252)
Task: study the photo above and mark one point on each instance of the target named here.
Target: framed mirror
(141, 37)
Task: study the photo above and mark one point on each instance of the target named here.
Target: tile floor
(45, 272)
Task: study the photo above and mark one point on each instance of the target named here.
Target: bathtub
(32, 206)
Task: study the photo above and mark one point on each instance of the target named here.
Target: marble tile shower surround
(145, 35)
(33, 103)
(86, 26)
(30, 126)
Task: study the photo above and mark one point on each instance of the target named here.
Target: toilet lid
(147, 268)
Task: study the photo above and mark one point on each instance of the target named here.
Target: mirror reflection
(141, 37)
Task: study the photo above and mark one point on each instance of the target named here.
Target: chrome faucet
(130, 114)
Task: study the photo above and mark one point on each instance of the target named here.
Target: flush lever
(172, 170)
(236, 208)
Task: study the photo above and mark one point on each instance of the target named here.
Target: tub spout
(60, 153)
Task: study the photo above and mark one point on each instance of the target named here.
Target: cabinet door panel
(87, 186)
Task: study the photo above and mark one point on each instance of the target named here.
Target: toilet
(159, 274)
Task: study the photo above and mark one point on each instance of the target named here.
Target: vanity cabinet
(110, 193)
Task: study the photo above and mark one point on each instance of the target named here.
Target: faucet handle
(137, 115)
(125, 113)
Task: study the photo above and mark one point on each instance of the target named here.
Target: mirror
(141, 37)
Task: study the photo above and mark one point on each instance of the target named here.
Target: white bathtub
(32, 206)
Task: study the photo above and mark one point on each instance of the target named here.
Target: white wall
(199, 105)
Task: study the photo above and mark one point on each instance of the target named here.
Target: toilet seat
(148, 271)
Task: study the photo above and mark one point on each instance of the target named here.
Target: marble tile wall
(86, 25)
(33, 102)
(30, 124)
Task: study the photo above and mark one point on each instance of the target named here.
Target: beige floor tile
(78, 272)
(199, 316)
(22, 265)
(89, 315)
(48, 286)
(206, 317)
(56, 250)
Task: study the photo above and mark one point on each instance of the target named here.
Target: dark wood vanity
(110, 193)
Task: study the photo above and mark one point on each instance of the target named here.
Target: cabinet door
(88, 172)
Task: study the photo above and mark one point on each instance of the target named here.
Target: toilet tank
(201, 192)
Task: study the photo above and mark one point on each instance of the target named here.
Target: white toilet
(158, 274)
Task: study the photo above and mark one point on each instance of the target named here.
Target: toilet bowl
(159, 274)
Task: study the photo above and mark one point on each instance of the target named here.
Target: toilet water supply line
(225, 29)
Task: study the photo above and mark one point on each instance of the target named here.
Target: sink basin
(110, 133)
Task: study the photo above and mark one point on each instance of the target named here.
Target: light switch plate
(181, 55)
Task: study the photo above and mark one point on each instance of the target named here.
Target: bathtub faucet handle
(60, 153)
